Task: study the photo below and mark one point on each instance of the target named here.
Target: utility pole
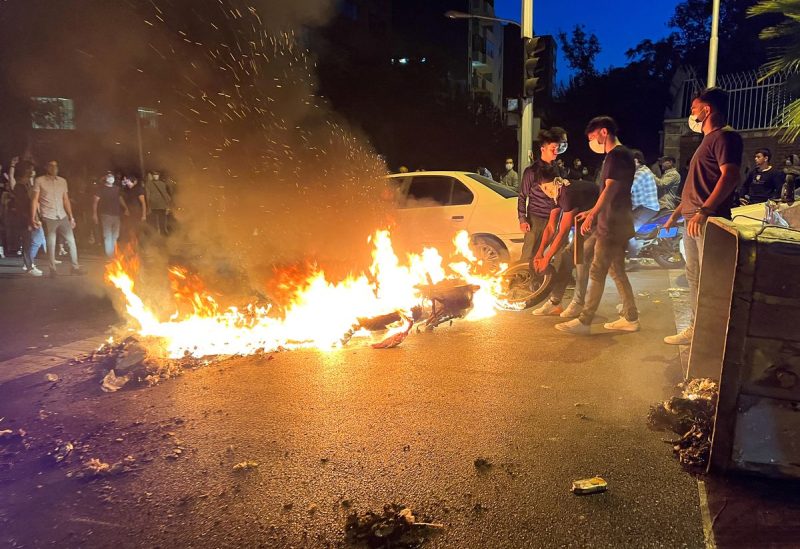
(526, 124)
(713, 46)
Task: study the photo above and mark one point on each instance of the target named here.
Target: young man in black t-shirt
(570, 198)
(764, 182)
(710, 184)
(610, 223)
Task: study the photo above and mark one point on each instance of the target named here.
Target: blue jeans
(33, 240)
(693, 251)
(110, 225)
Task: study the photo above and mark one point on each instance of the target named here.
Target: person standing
(533, 205)
(158, 196)
(644, 198)
(109, 203)
(511, 178)
(668, 184)
(21, 176)
(51, 200)
(610, 223)
(133, 193)
(710, 185)
(764, 182)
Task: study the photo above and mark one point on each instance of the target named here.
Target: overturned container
(747, 336)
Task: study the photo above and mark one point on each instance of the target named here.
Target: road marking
(705, 513)
(46, 358)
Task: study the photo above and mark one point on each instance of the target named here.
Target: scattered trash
(6, 434)
(690, 415)
(113, 383)
(52, 378)
(95, 467)
(586, 486)
(483, 465)
(245, 465)
(312, 508)
(395, 527)
(61, 451)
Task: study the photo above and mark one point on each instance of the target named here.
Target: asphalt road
(357, 428)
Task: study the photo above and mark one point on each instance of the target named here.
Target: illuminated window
(52, 113)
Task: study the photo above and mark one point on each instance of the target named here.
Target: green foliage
(786, 33)
(580, 49)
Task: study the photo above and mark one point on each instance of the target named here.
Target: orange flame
(317, 313)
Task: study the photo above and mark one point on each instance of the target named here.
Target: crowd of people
(39, 214)
(626, 193)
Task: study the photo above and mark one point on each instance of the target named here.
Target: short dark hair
(766, 152)
(559, 132)
(548, 136)
(638, 155)
(668, 159)
(716, 98)
(600, 122)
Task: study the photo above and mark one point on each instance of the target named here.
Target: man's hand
(744, 201)
(36, 224)
(694, 227)
(127, 213)
(72, 222)
(587, 220)
(540, 264)
(525, 227)
(672, 220)
(144, 216)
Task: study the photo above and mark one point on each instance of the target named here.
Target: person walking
(21, 176)
(108, 203)
(711, 182)
(133, 194)
(51, 200)
(609, 225)
(158, 196)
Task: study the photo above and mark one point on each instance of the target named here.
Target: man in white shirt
(50, 201)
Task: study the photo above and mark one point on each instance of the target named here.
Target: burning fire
(319, 313)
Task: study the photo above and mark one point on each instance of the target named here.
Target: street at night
(393, 274)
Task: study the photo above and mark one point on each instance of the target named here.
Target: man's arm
(668, 179)
(522, 202)
(548, 232)
(560, 240)
(606, 196)
(68, 208)
(95, 202)
(144, 206)
(726, 184)
(35, 209)
(124, 205)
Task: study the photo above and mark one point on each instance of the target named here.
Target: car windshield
(502, 190)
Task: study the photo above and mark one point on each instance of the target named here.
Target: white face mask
(695, 125)
(109, 180)
(509, 166)
(562, 147)
(597, 147)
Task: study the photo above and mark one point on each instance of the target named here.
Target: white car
(433, 206)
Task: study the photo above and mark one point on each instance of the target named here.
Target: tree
(580, 49)
(787, 59)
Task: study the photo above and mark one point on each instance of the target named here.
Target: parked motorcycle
(661, 245)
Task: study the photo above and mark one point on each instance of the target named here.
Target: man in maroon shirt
(710, 184)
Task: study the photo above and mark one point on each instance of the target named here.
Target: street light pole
(526, 124)
(713, 46)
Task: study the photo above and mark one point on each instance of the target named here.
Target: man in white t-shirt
(50, 201)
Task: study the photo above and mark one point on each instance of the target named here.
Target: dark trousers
(158, 219)
(608, 257)
(533, 238)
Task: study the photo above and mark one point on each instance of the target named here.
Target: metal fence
(755, 104)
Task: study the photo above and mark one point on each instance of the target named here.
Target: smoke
(265, 173)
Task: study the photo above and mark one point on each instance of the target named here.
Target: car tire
(490, 251)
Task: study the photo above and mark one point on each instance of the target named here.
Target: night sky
(619, 25)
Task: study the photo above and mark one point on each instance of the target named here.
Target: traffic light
(540, 67)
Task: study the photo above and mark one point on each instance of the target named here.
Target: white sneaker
(622, 325)
(684, 337)
(575, 327)
(34, 271)
(548, 308)
(1, 253)
(573, 310)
